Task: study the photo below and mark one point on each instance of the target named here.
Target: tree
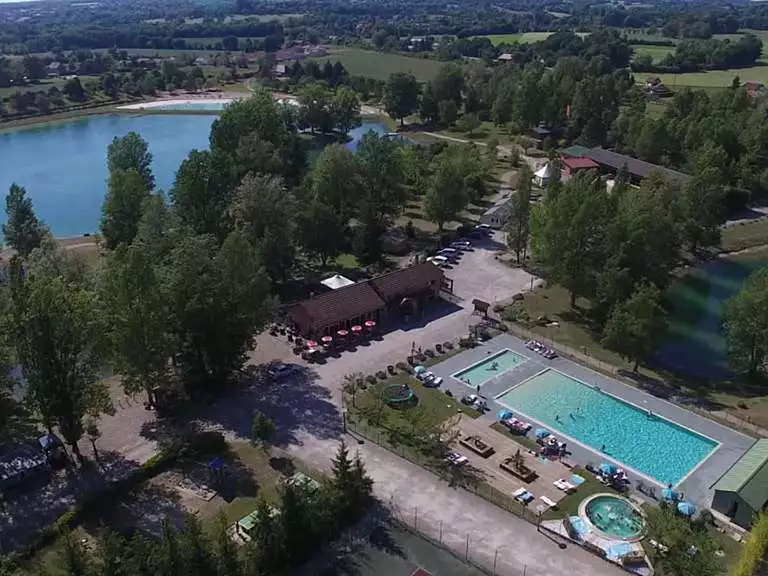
(314, 107)
(468, 123)
(567, 232)
(350, 483)
(448, 112)
(265, 212)
(131, 152)
(518, 224)
(262, 429)
(93, 432)
(449, 84)
(195, 547)
(428, 110)
(401, 95)
(379, 162)
(446, 196)
(219, 299)
(226, 553)
(745, 322)
(73, 89)
(22, 229)
(703, 210)
(126, 194)
(138, 318)
(57, 341)
(336, 181)
(752, 556)
(345, 109)
(321, 231)
(635, 326)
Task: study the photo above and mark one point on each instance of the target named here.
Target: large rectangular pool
(489, 368)
(647, 443)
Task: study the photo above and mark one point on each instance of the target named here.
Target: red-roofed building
(574, 165)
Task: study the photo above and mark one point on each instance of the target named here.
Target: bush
(498, 308)
(755, 549)
(510, 314)
(448, 345)
(391, 369)
(371, 379)
(468, 342)
(439, 348)
(381, 375)
(430, 353)
(403, 367)
(503, 327)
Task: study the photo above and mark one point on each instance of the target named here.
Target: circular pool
(613, 517)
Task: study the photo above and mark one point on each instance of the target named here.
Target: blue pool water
(491, 367)
(651, 445)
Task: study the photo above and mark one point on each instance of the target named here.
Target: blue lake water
(650, 444)
(63, 165)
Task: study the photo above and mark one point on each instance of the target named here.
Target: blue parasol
(669, 494)
(505, 415)
(419, 369)
(608, 468)
(686, 509)
(541, 433)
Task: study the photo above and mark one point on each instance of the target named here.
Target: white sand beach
(171, 102)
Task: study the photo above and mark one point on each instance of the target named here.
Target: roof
(542, 131)
(407, 280)
(337, 281)
(579, 163)
(748, 477)
(544, 172)
(505, 57)
(636, 167)
(575, 151)
(338, 305)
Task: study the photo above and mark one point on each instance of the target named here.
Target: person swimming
(557, 418)
(602, 448)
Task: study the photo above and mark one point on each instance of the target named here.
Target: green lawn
(714, 78)
(43, 86)
(656, 52)
(745, 236)
(521, 38)
(379, 65)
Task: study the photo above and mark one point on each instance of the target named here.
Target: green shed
(742, 492)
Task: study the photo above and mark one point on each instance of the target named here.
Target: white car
(438, 260)
(456, 459)
(461, 245)
(430, 380)
(281, 370)
(448, 252)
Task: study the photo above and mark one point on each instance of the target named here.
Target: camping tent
(543, 175)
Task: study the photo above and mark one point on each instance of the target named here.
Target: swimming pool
(614, 516)
(488, 368)
(651, 445)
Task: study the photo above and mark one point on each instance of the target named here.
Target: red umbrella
(343, 333)
(370, 323)
(311, 344)
(357, 328)
(327, 339)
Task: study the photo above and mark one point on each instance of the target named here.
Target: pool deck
(697, 486)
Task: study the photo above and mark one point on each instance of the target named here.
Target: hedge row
(755, 550)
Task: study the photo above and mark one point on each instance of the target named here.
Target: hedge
(754, 551)
(191, 446)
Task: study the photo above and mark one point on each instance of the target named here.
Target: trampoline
(398, 394)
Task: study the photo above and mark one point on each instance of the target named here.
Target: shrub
(503, 327)
(755, 549)
(403, 367)
(509, 314)
(420, 357)
(381, 375)
(468, 342)
(498, 308)
(448, 345)
(439, 348)
(391, 369)
(371, 379)
(430, 353)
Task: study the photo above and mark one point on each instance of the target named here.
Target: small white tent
(543, 175)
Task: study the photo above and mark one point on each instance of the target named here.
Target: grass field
(714, 78)
(521, 38)
(43, 86)
(379, 65)
(656, 52)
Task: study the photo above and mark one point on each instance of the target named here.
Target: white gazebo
(337, 281)
(543, 175)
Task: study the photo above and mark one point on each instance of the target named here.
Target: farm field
(656, 52)
(378, 65)
(521, 38)
(714, 78)
(43, 86)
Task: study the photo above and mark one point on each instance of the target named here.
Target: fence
(493, 561)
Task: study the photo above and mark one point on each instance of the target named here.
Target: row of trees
(284, 537)
(619, 249)
(693, 55)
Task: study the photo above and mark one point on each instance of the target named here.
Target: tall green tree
(321, 231)
(401, 95)
(518, 224)
(567, 233)
(384, 191)
(345, 109)
(139, 320)
(691, 550)
(58, 345)
(131, 152)
(220, 299)
(315, 107)
(636, 325)
(120, 214)
(446, 195)
(22, 229)
(266, 213)
(262, 429)
(336, 181)
(745, 322)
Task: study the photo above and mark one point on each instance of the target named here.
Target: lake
(63, 165)
(695, 345)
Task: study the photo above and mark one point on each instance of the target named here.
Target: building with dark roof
(370, 299)
(742, 492)
(611, 162)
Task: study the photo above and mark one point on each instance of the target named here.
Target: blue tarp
(686, 508)
(576, 480)
(505, 415)
(669, 494)
(608, 468)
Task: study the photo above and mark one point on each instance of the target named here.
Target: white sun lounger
(561, 484)
(519, 492)
(548, 502)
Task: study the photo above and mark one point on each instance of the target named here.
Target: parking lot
(478, 273)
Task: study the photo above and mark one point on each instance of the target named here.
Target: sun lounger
(548, 502)
(561, 484)
(519, 492)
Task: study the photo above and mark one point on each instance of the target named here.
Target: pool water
(489, 368)
(615, 517)
(651, 445)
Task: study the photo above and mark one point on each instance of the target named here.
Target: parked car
(282, 370)
(461, 244)
(439, 260)
(484, 228)
(448, 252)
(456, 459)
(431, 381)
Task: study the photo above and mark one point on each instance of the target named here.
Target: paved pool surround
(696, 486)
